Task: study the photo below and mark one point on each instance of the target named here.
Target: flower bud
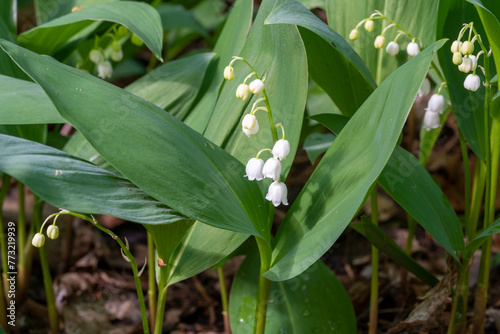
(117, 55)
(229, 73)
(53, 232)
(455, 46)
(474, 62)
(250, 125)
(436, 103)
(392, 48)
(413, 49)
(242, 92)
(472, 82)
(277, 193)
(353, 35)
(466, 65)
(425, 88)
(256, 86)
(96, 56)
(272, 169)
(104, 70)
(431, 120)
(254, 169)
(136, 40)
(457, 58)
(116, 46)
(467, 48)
(369, 25)
(379, 42)
(38, 240)
(122, 31)
(281, 149)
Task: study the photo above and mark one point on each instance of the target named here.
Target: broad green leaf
(272, 50)
(71, 183)
(416, 17)
(47, 10)
(491, 25)
(468, 107)
(34, 132)
(385, 244)
(318, 102)
(328, 56)
(7, 66)
(157, 152)
(176, 16)
(339, 184)
(407, 181)
(8, 14)
(428, 139)
(229, 44)
(24, 102)
(140, 18)
(173, 86)
(475, 243)
(314, 302)
(316, 144)
(310, 4)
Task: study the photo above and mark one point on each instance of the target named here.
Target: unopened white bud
(38, 240)
(250, 125)
(457, 58)
(369, 25)
(53, 232)
(455, 47)
(256, 86)
(96, 56)
(472, 82)
(354, 34)
(117, 55)
(474, 62)
(413, 49)
(392, 48)
(379, 42)
(242, 92)
(425, 88)
(229, 73)
(467, 48)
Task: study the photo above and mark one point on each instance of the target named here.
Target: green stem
(465, 158)
(151, 281)
(374, 279)
(477, 198)
(456, 298)
(3, 245)
(162, 299)
(21, 225)
(264, 286)
(3, 309)
(223, 297)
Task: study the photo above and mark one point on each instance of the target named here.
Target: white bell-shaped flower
(53, 232)
(436, 103)
(250, 125)
(96, 56)
(229, 73)
(474, 62)
(466, 65)
(413, 49)
(104, 70)
(272, 169)
(425, 88)
(431, 120)
(256, 86)
(392, 48)
(379, 42)
(117, 55)
(472, 82)
(38, 240)
(277, 193)
(281, 149)
(242, 92)
(254, 169)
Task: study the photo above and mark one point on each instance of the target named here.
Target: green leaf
(416, 17)
(157, 152)
(24, 102)
(329, 56)
(7, 66)
(47, 10)
(339, 184)
(316, 144)
(314, 302)
(468, 107)
(180, 78)
(407, 181)
(140, 18)
(384, 243)
(71, 183)
(176, 16)
(229, 44)
(272, 50)
(475, 243)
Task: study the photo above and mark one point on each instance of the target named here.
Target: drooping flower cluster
(413, 48)
(435, 107)
(463, 56)
(52, 231)
(256, 168)
(101, 57)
